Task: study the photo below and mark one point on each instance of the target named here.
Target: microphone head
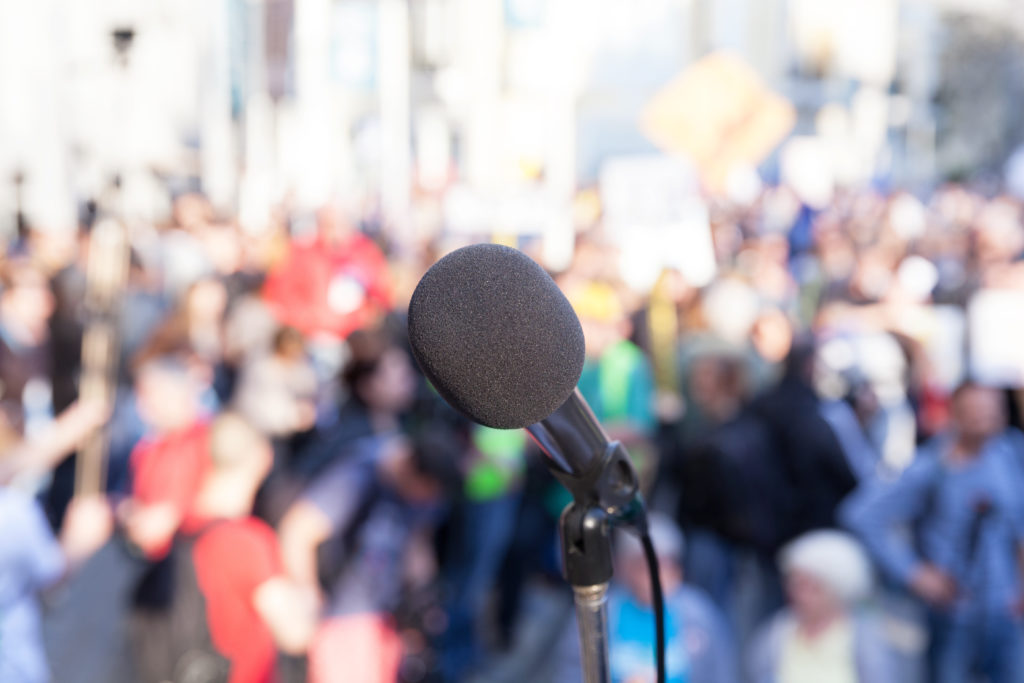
(495, 336)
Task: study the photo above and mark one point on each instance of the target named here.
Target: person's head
(192, 211)
(205, 301)
(167, 392)
(238, 452)
(717, 385)
(26, 301)
(425, 468)
(977, 413)
(289, 344)
(332, 223)
(240, 459)
(772, 335)
(826, 573)
(378, 374)
(631, 565)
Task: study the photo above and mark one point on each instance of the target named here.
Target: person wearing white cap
(822, 636)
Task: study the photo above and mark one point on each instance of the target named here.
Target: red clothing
(232, 560)
(332, 288)
(170, 469)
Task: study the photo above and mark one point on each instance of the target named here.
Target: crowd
(836, 496)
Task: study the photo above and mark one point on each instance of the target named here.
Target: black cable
(659, 605)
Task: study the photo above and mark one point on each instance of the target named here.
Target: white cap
(834, 558)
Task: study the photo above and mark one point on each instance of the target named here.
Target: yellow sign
(720, 115)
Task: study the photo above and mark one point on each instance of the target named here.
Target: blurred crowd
(837, 498)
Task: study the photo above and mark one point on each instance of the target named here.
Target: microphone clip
(607, 494)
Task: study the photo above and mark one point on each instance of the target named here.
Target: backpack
(172, 641)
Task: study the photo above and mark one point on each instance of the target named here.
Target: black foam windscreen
(495, 336)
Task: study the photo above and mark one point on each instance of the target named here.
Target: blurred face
(773, 336)
(223, 246)
(28, 304)
(292, 349)
(167, 401)
(207, 300)
(810, 599)
(391, 387)
(192, 211)
(978, 414)
(332, 224)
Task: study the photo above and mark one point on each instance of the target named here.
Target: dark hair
(967, 385)
(437, 453)
(799, 363)
(285, 337)
(366, 348)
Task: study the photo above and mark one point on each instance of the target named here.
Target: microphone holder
(606, 492)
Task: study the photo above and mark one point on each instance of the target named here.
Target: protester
(823, 634)
(372, 512)
(251, 609)
(482, 532)
(169, 465)
(874, 287)
(332, 284)
(32, 560)
(26, 304)
(951, 530)
(379, 386)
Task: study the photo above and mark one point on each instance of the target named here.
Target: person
(617, 380)
(373, 513)
(851, 418)
(276, 393)
(32, 560)
(480, 538)
(380, 385)
(811, 454)
(699, 648)
(755, 483)
(169, 464)
(959, 508)
(822, 635)
(26, 304)
(232, 607)
(252, 608)
(333, 284)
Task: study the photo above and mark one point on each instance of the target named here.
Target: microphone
(500, 342)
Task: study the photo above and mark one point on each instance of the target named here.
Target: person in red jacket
(332, 284)
(169, 464)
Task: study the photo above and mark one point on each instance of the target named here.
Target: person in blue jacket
(951, 530)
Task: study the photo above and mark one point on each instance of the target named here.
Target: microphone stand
(605, 490)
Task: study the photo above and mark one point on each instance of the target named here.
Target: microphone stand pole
(605, 490)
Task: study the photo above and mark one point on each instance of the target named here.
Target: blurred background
(792, 231)
(462, 106)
